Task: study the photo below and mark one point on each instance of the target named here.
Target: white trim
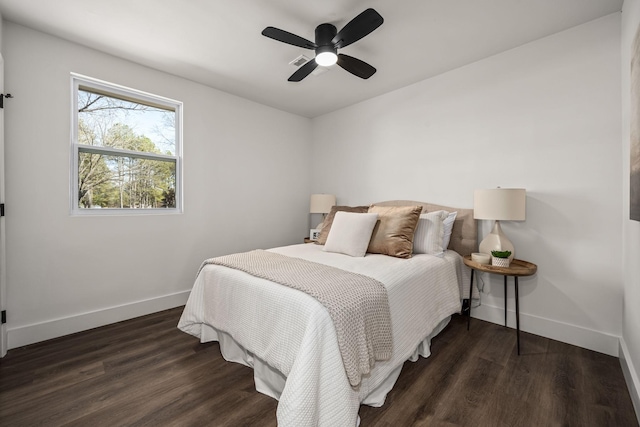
(3, 229)
(125, 92)
(125, 212)
(30, 334)
(78, 80)
(571, 334)
(630, 376)
(108, 151)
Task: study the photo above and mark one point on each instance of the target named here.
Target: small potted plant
(500, 258)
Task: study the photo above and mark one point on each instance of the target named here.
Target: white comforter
(289, 339)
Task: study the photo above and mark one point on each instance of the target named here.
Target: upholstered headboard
(464, 237)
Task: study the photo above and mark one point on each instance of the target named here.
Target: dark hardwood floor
(146, 372)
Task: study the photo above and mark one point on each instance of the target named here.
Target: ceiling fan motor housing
(324, 34)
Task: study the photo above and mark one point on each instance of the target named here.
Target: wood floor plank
(145, 372)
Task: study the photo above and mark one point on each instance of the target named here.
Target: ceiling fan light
(326, 59)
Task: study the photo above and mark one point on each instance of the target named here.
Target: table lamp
(322, 204)
(499, 204)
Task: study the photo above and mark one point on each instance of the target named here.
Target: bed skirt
(271, 382)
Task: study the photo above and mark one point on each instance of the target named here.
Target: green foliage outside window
(126, 153)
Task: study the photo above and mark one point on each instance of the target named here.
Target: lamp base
(497, 241)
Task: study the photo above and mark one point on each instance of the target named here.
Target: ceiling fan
(327, 43)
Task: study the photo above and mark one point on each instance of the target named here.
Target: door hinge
(4, 317)
(2, 97)
(1, 209)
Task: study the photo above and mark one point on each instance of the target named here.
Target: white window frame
(77, 81)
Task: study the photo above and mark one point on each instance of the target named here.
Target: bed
(289, 339)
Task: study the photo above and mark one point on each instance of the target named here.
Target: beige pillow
(393, 234)
(326, 225)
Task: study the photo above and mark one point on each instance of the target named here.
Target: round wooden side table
(516, 269)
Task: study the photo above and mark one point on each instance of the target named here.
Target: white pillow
(350, 233)
(429, 235)
(448, 228)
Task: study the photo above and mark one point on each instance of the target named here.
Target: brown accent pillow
(393, 234)
(328, 220)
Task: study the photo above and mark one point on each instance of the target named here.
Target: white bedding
(289, 339)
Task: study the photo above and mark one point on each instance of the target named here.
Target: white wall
(65, 273)
(630, 342)
(544, 116)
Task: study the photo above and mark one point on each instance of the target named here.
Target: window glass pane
(125, 182)
(126, 149)
(125, 124)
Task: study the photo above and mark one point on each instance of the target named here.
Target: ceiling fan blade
(303, 71)
(357, 28)
(286, 37)
(355, 66)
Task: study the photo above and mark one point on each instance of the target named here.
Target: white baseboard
(564, 332)
(30, 334)
(630, 376)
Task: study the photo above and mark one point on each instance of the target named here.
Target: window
(126, 150)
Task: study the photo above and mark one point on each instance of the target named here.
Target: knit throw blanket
(358, 305)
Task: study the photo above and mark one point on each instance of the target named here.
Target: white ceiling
(218, 43)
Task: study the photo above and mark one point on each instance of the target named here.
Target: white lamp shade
(502, 204)
(321, 203)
